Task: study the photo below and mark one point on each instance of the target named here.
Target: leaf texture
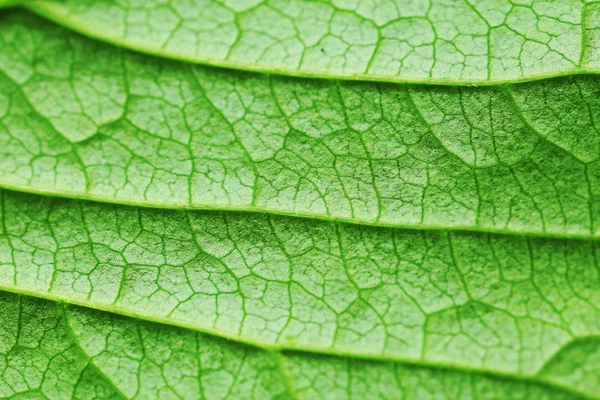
(486, 302)
(135, 130)
(173, 230)
(440, 41)
(81, 354)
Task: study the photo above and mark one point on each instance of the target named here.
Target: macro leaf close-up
(300, 199)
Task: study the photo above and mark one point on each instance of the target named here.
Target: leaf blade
(450, 299)
(472, 313)
(522, 159)
(107, 354)
(403, 41)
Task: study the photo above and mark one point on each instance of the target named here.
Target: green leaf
(257, 236)
(522, 158)
(56, 351)
(473, 301)
(442, 41)
(53, 351)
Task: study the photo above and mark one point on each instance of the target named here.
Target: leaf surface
(256, 236)
(55, 351)
(484, 302)
(106, 124)
(441, 41)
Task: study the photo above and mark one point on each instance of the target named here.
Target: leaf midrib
(49, 12)
(281, 350)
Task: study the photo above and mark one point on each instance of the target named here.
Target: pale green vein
(76, 343)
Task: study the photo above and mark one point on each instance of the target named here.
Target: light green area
(441, 41)
(53, 351)
(405, 241)
(485, 302)
(8, 3)
(86, 120)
